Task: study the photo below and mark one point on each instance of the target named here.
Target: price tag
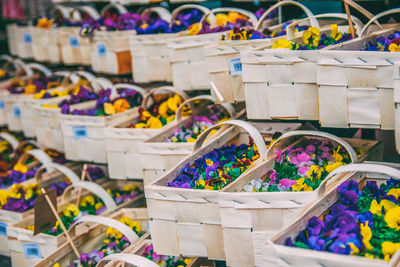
(79, 132)
(16, 112)
(2, 104)
(3, 229)
(101, 50)
(31, 250)
(27, 38)
(74, 41)
(235, 66)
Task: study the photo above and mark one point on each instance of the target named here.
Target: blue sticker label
(2, 104)
(74, 41)
(79, 132)
(3, 229)
(32, 250)
(101, 49)
(16, 112)
(27, 38)
(235, 66)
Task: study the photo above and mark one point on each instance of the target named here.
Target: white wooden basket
(292, 256)
(24, 41)
(12, 102)
(187, 221)
(249, 218)
(356, 87)
(282, 83)
(187, 56)
(158, 156)
(110, 51)
(11, 38)
(47, 120)
(223, 57)
(122, 143)
(84, 136)
(74, 49)
(86, 240)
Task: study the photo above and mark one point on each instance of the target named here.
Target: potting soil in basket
(364, 222)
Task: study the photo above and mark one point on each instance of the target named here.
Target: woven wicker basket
(23, 41)
(282, 84)
(292, 256)
(92, 237)
(187, 221)
(158, 156)
(187, 56)
(84, 136)
(122, 143)
(11, 38)
(262, 214)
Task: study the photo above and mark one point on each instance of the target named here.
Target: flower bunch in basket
(390, 43)
(105, 105)
(160, 113)
(217, 168)
(18, 197)
(301, 167)
(44, 23)
(79, 95)
(33, 86)
(313, 39)
(166, 261)
(190, 131)
(364, 222)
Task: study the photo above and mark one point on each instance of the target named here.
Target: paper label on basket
(79, 132)
(235, 66)
(31, 250)
(27, 38)
(101, 49)
(74, 41)
(16, 112)
(3, 228)
(2, 104)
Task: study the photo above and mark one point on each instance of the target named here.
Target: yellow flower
(331, 167)
(311, 36)
(389, 249)
(392, 217)
(19, 167)
(59, 93)
(71, 210)
(188, 260)
(111, 232)
(15, 191)
(140, 125)
(335, 32)
(315, 169)
(195, 28)
(163, 109)
(301, 186)
(2, 73)
(109, 108)
(3, 197)
(281, 43)
(121, 105)
(393, 47)
(221, 19)
(127, 221)
(144, 26)
(30, 89)
(191, 140)
(98, 205)
(174, 102)
(17, 82)
(385, 204)
(354, 249)
(56, 265)
(170, 118)
(154, 123)
(367, 235)
(336, 155)
(129, 188)
(49, 106)
(40, 94)
(44, 23)
(201, 182)
(87, 201)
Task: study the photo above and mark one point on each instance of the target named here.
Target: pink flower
(303, 157)
(303, 170)
(285, 184)
(272, 176)
(310, 149)
(278, 155)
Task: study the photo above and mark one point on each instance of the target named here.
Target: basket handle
(40, 67)
(290, 30)
(161, 89)
(360, 167)
(124, 229)
(107, 84)
(120, 8)
(10, 139)
(133, 87)
(71, 175)
(250, 129)
(39, 154)
(131, 259)
(6, 58)
(228, 107)
(64, 11)
(308, 12)
(176, 11)
(375, 18)
(249, 15)
(163, 13)
(344, 144)
(23, 68)
(87, 9)
(94, 189)
(362, 10)
(68, 77)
